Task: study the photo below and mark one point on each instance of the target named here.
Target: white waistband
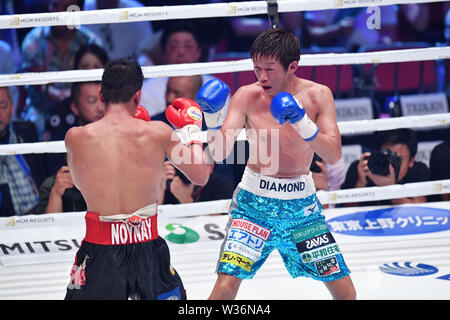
(144, 212)
(279, 188)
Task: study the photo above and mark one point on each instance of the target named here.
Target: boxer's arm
(190, 159)
(327, 143)
(70, 140)
(221, 141)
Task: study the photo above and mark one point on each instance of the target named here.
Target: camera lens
(378, 163)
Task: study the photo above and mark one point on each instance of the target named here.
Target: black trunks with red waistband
(123, 257)
(135, 229)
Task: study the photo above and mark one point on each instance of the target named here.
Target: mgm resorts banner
(34, 239)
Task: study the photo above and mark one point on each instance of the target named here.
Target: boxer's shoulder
(155, 130)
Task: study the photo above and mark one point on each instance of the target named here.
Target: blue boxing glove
(212, 97)
(284, 107)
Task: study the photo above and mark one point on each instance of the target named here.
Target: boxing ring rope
(345, 127)
(326, 197)
(76, 18)
(187, 69)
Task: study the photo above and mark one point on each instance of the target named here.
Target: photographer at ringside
(393, 162)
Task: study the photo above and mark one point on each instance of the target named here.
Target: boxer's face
(181, 47)
(271, 75)
(89, 108)
(6, 110)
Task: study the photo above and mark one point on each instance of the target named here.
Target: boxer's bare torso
(117, 162)
(278, 150)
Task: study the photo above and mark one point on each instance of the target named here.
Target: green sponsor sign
(180, 234)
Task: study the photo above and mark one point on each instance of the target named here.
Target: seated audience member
(180, 87)
(57, 193)
(8, 66)
(401, 144)
(440, 167)
(62, 118)
(180, 43)
(175, 188)
(327, 176)
(19, 174)
(51, 48)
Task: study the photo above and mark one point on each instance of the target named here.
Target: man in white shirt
(180, 43)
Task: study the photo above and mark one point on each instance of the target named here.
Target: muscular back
(117, 162)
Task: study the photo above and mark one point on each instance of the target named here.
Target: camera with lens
(378, 162)
(314, 167)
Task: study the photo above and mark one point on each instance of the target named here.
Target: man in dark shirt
(404, 143)
(176, 188)
(19, 174)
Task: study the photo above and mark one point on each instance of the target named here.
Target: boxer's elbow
(335, 156)
(201, 176)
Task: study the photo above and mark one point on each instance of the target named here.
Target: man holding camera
(393, 162)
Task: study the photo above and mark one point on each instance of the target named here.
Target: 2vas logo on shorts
(316, 245)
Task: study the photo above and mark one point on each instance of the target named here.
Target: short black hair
(277, 43)
(91, 48)
(398, 136)
(121, 79)
(179, 26)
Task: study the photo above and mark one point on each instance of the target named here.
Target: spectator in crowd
(120, 40)
(175, 188)
(58, 193)
(61, 119)
(422, 21)
(327, 176)
(351, 28)
(440, 167)
(19, 174)
(10, 35)
(403, 143)
(7, 66)
(180, 87)
(51, 49)
(180, 44)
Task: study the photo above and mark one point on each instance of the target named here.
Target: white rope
(367, 126)
(185, 69)
(326, 197)
(345, 127)
(74, 17)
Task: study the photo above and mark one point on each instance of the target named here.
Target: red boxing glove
(142, 113)
(186, 115)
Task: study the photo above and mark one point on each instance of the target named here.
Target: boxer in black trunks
(117, 163)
